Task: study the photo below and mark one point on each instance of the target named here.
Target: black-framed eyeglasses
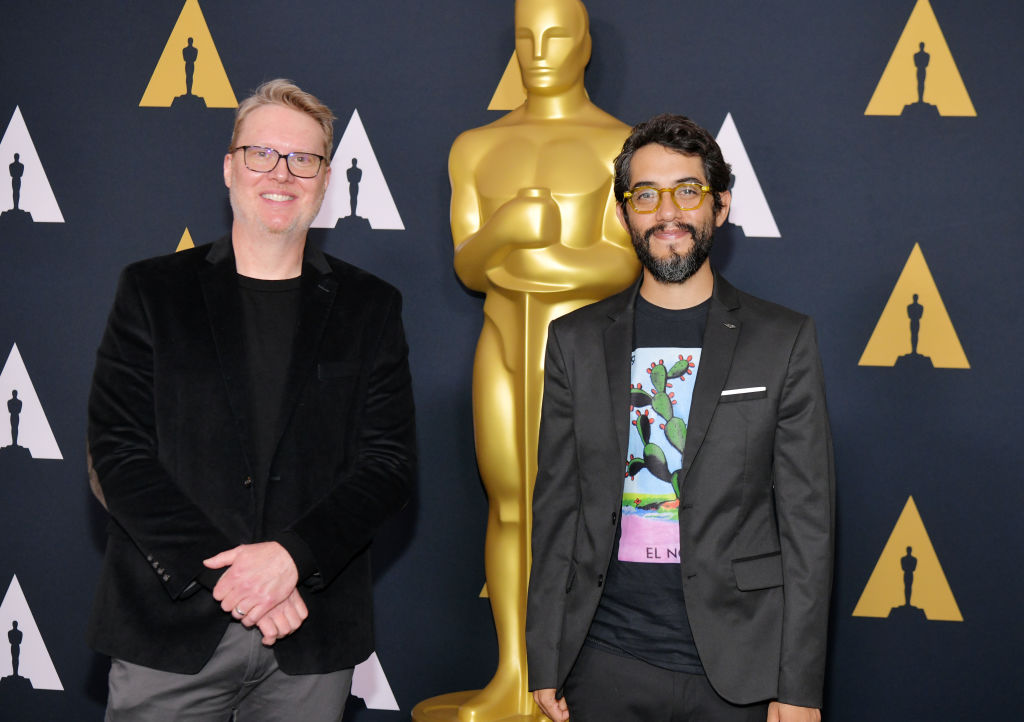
(686, 196)
(263, 160)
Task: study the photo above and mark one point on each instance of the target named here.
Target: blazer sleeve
(169, 529)
(380, 479)
(556, 510)
(804, 480)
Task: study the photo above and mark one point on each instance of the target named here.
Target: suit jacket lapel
(224, 311)
(319, 288)
(720, 337)
(618, 349)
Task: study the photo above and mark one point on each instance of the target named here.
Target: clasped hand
(259, 588)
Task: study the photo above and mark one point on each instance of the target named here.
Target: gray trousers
(241, 682)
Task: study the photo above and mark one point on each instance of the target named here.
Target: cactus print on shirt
(660, 394)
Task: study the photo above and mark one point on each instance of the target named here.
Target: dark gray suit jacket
(169, 440)
(756, 518)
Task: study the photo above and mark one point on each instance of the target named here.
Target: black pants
(605, 687)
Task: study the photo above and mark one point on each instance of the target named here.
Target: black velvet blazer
(169, 437)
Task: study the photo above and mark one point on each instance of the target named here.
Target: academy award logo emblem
(26, 196)
(27, 665)
(915, 330)
(25, 433)
(908, 583)
(189, 73)
(358, 196)
(749, 209)
(921, 79)
(370, 684)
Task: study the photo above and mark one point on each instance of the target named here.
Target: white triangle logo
(371, 684)
(34, 193)
(34, 663)
(357, 182)
(749, 209)
(25, 413)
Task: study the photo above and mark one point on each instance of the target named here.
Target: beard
(675, 267)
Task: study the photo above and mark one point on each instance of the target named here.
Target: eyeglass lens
(264, 160)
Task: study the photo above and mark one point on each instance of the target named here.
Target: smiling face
(276, 202)
(671, 244)
(552, 44)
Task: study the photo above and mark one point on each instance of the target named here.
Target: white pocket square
(748, 390)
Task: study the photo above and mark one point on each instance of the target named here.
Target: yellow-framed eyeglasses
(647, 199)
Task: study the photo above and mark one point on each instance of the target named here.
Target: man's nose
(281, 172)
(667, 209)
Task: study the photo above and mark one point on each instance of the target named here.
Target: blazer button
(600, 580)
(615, 516)
(247, 482)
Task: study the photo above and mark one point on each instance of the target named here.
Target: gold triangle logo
(189, 72)
(510, 93)
(915, 330)
(908, 582)
(921, 78)
(484, 594)
(185, 242)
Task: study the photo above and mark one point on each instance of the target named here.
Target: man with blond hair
(251, 426)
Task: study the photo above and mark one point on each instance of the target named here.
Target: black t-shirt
(270, 310)
(642, 613)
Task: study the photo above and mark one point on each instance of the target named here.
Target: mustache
(668, 226)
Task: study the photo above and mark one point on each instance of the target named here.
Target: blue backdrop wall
(872, 203)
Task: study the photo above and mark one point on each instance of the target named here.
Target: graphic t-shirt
(642, 612)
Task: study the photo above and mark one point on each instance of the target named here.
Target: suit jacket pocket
(571, 579)
(758, 572)
(743, 394)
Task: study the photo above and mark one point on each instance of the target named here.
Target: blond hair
(286, 93)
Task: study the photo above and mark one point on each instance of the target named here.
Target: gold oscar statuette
(533, 220)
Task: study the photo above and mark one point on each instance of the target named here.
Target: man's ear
(620, 213)
(227, 169)
(726, 199)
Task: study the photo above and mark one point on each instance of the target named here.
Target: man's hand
(555, 709)
(781, 712)
(260, 577)
(283, 619)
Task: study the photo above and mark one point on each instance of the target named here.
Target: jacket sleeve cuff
(206, 579)
(301, 554)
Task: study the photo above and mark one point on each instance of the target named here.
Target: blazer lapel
(618, 349)
(224, 310)
(719, 344)
(319, 288)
